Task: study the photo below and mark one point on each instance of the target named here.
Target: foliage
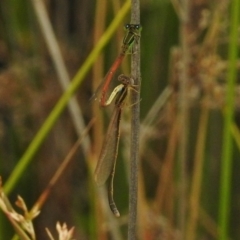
(189, 145)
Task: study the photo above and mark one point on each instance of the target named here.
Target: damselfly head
(133, 27)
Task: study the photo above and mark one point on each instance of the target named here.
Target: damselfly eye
(138, 27)
(127, 26)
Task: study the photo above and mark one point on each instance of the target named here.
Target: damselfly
(108, 156)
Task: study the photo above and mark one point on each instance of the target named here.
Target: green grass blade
(226, 165)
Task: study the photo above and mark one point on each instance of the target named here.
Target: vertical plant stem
(167, 169)
(184, 117)
(135, 130)
(226, 165)
(61, 70)
(98, 71)
(194, 203)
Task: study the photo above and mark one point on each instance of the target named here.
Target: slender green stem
(61, 104)
(226, 165)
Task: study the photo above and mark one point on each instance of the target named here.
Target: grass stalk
(61, 69)
(97, 215)
(194, 203)
(166, 172)
(184, 118)
(135, 128)
(227, 148)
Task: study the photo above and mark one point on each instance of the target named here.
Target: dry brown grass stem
(183, 115)
(43, 197)
(196, 186)
(167, 168)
